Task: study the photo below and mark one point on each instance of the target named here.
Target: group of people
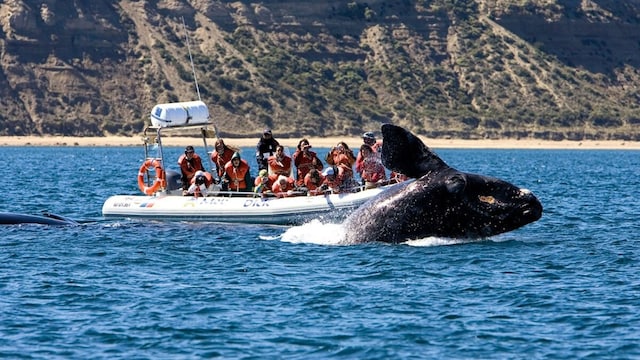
(232, 172)
(276, 175)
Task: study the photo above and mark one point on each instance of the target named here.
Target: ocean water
(567, 286)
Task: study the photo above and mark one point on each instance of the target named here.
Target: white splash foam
(269, 237)
(315, 232)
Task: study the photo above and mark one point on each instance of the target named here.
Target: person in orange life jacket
(262, 183)
(200, 184)
(369, 139)
(283, 186)
(221, 155)
(189, 163)
(266, 147)
(305, 160)
(313, 181)
(236, 174)
(342, 157)
(341, 154)
(370, 167)
(279, 164)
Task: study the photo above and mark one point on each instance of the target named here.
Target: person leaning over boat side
(189, 163)
(279, 164)
(236, 174)
(333, 179)
(262, 183)
(305, 160)
(283, 186)
(200, 184)
(266, 147)
(313, 182)
(221, 156)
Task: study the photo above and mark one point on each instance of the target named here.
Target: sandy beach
(353, 142)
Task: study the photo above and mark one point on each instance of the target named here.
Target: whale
(11, 218)
(438, 200)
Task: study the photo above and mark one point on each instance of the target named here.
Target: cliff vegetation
(546, 69)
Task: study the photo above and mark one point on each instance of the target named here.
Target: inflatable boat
(162, 197)
(238, 208)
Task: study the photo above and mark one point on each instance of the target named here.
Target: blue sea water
(567, 286)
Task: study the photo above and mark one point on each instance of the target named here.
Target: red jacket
(221, 161)
(281, 190)
(313, 187)
(279, 167)
(305, 162)
(237, 176)
(189, 167)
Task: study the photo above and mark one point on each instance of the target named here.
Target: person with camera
(305, 160)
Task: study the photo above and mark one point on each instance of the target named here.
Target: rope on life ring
(159, 181)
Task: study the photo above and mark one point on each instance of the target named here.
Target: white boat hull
(253, 210)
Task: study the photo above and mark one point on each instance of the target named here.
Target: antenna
(193, 69)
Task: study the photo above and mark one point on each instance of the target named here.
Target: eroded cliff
(492, 68)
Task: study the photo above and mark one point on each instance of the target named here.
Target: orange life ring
(147, 165)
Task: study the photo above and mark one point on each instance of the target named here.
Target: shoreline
(353, 142)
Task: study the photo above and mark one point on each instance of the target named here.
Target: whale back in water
(9, 218)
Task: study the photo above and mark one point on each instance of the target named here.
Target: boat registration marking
(212, 201)
(255, 203)
(121, 205)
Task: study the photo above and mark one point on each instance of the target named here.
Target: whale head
(441, 201)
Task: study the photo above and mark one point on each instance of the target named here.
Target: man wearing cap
(334, 178)
(266, 147)
(369, 139)
(189, 163)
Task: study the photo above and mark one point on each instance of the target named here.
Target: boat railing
(216, 192)
(152, 141)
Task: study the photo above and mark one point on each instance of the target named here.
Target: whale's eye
(487, 199)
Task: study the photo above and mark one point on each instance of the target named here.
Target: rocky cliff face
(485, 68)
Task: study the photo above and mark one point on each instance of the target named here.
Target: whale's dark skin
(441, 201)
(7, 218)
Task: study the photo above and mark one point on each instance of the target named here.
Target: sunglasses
(189, 152)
